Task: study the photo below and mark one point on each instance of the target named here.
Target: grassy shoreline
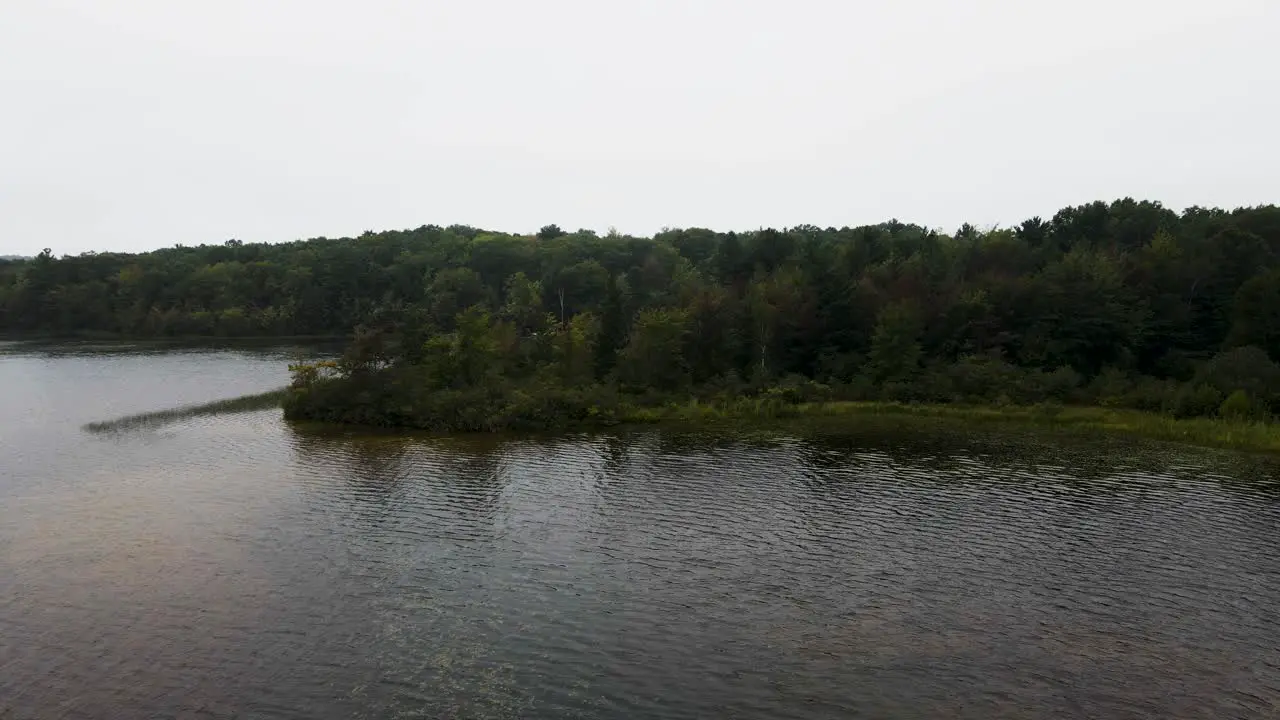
(1206, 432)
(83, 337)
(746, 412)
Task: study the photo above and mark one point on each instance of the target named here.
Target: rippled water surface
(227, 565)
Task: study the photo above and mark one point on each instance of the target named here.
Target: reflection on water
(227, 565)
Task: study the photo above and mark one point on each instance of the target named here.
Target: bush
(1198, 400)
(1062, 383)
(903, 391)
(797, 389)
(978, 379)
(1244, 368)
(392, 398)
(1242, 407)
(723, 387)
(1152, 395)
(1108, 388)
(834, 367)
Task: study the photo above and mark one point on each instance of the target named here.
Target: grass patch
(1208, 432)
(244, 403)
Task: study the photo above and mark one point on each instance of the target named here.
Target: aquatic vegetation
(243, 403)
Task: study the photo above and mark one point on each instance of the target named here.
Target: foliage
(1198, 400)
(1124, 304)
(1245, 368)
(654, 356)
(1239, 406)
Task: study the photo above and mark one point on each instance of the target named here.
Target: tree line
(1126, 302)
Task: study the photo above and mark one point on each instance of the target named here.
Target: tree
(713, 336)
(550, 232)
(575, 348)
(1244, 368)
(467, 357)
(654, 355)
(895, 345)
(1117, 289)
(1083, 313)
(578, 287)
(1256, 313)
(453, 290)
(495, 258)
(614, 325)
(524, 304)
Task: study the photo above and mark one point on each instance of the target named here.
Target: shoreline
(1200, 432)
(170, 339)
(752, 413)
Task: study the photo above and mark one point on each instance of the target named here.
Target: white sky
(136, 124)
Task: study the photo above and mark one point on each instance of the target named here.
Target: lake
(228, 565)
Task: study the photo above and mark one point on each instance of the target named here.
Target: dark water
(229, 566)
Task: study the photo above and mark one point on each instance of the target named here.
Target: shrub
(1244, 368)
(976, 379)
(1061, 384)
(797, 389)
(1108, 388)
(1198, 400)
(1152, 395)
(1240, 406)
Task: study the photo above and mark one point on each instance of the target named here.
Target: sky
(137, 124)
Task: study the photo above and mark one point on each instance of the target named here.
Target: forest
(1126, 304)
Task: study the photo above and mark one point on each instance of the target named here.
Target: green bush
(1242, 407)
(1109, 388)
(391, 398)
(1244, 368)
(797, 389)
(977, 379)
(1196, 401)
(1152, 395)
(1061, 384)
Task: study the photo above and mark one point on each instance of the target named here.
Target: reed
(243, 403)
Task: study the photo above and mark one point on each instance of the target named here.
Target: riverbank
(1206, 432)
(315, 402)
(164, 340)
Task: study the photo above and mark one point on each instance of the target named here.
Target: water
(226, 565)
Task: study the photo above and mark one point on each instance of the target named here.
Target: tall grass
(244, 403)
(1211, 432)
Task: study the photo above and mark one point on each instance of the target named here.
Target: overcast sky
(136, 124)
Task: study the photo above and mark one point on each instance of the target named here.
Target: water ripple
(228, 565)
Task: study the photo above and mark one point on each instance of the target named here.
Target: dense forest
(1127, 303)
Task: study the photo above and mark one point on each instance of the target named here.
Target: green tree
(1243, 368)
(575, 348)
(895, 345)
(578, 287)
(1256, 313)
(550, 232)
(524, 304)
(453, 290)
(654, 355)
